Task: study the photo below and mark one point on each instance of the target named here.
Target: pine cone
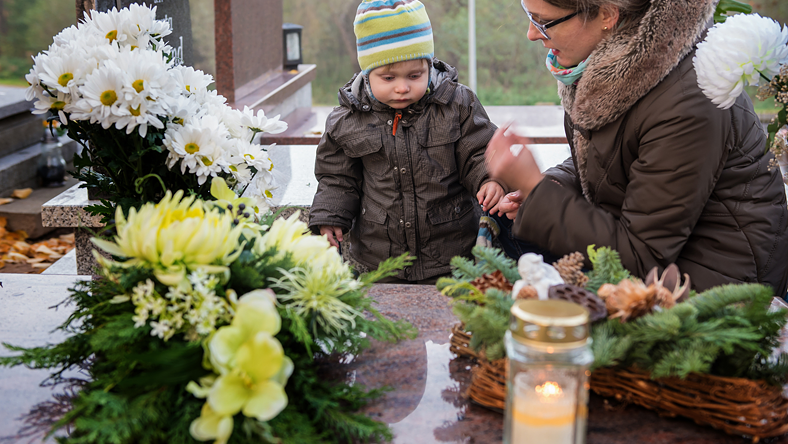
(587, 299)
(527, 292)
(629, 299)
(570, 267)
(492, 280)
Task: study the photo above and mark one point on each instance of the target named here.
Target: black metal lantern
(291, 36)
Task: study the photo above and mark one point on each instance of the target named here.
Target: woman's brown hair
(629, 11)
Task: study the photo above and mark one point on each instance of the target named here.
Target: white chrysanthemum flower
(190, 80)
(45, 103)
(61, 72)
(111, 24)
(737, 53)
(33, 79)
(183, 109)
(145, 77)
(69, 35)
(232, 119)
(141, 115)
(260, 123)
(198, 146)
(256, 157)
(102, 100)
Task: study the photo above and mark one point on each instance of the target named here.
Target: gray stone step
(12, 101)
(18, 169)
(20, 131)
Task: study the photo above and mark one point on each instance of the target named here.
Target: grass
(14, 82)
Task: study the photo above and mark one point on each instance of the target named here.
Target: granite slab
(68, 210)
(426, 405)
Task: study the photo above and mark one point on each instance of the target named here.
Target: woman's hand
(333, 234)
(489, 195)
(518, 169)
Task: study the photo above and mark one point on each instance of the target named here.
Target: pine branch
(495, 259)
(607, 268)
(465, 269)
(387, 268)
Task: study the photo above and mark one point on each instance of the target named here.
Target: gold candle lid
(553, 323)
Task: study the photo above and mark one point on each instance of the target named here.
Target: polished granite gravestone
(426, 404)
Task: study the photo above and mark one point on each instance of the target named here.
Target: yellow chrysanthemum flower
(173, 236)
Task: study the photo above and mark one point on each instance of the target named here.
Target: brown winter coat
(410, 192)
(658, 172)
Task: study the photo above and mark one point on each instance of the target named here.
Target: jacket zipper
(397, 118)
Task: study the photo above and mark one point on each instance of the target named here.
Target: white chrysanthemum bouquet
(745, 49)
(147, 123)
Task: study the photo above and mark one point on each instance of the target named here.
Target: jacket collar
(443, 78)
(625, 67)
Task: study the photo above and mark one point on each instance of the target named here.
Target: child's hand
(489, 195)
(517, 169)
(333, 234)
(510, 205)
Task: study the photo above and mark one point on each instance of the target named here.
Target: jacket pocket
(368, 148)
(372, 234)
(438, 153)
(453, 227)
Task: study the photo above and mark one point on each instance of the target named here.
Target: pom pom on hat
(390, 31)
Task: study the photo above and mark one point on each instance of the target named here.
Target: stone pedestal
(68, 210)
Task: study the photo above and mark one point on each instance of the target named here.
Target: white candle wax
(543, 410)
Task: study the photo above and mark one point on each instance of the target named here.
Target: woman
(657, 171)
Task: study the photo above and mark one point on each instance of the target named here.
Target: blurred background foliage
(510, 69)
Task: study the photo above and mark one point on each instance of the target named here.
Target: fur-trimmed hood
(626, 66)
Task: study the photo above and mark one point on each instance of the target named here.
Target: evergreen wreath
(725, 331)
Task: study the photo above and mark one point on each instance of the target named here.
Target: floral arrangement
(746, 49)
(207, 325)
(657, 325)
(146, 123)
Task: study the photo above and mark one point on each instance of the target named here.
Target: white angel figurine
(536, 273)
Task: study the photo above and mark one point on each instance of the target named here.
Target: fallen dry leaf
(5, 200)
(22, 193)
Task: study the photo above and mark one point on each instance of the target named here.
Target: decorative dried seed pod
(668, 286)
(628, 300)
(527, 292)
(592, 303)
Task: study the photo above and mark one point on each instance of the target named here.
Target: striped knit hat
(390, 31)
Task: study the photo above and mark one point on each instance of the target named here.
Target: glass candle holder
(547, 373)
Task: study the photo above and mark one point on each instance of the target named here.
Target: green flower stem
(138, 183)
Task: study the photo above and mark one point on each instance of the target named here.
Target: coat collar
(443, 79)
(625, 67)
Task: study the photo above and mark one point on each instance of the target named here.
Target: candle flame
(549, 390)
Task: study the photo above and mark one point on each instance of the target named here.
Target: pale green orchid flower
(224, 196)
(211, 425)
(252, 366)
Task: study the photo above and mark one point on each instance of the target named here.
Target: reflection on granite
(427, 405)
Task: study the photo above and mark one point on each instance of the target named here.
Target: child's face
(400, 84)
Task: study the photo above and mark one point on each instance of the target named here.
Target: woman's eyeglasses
(542, 28)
